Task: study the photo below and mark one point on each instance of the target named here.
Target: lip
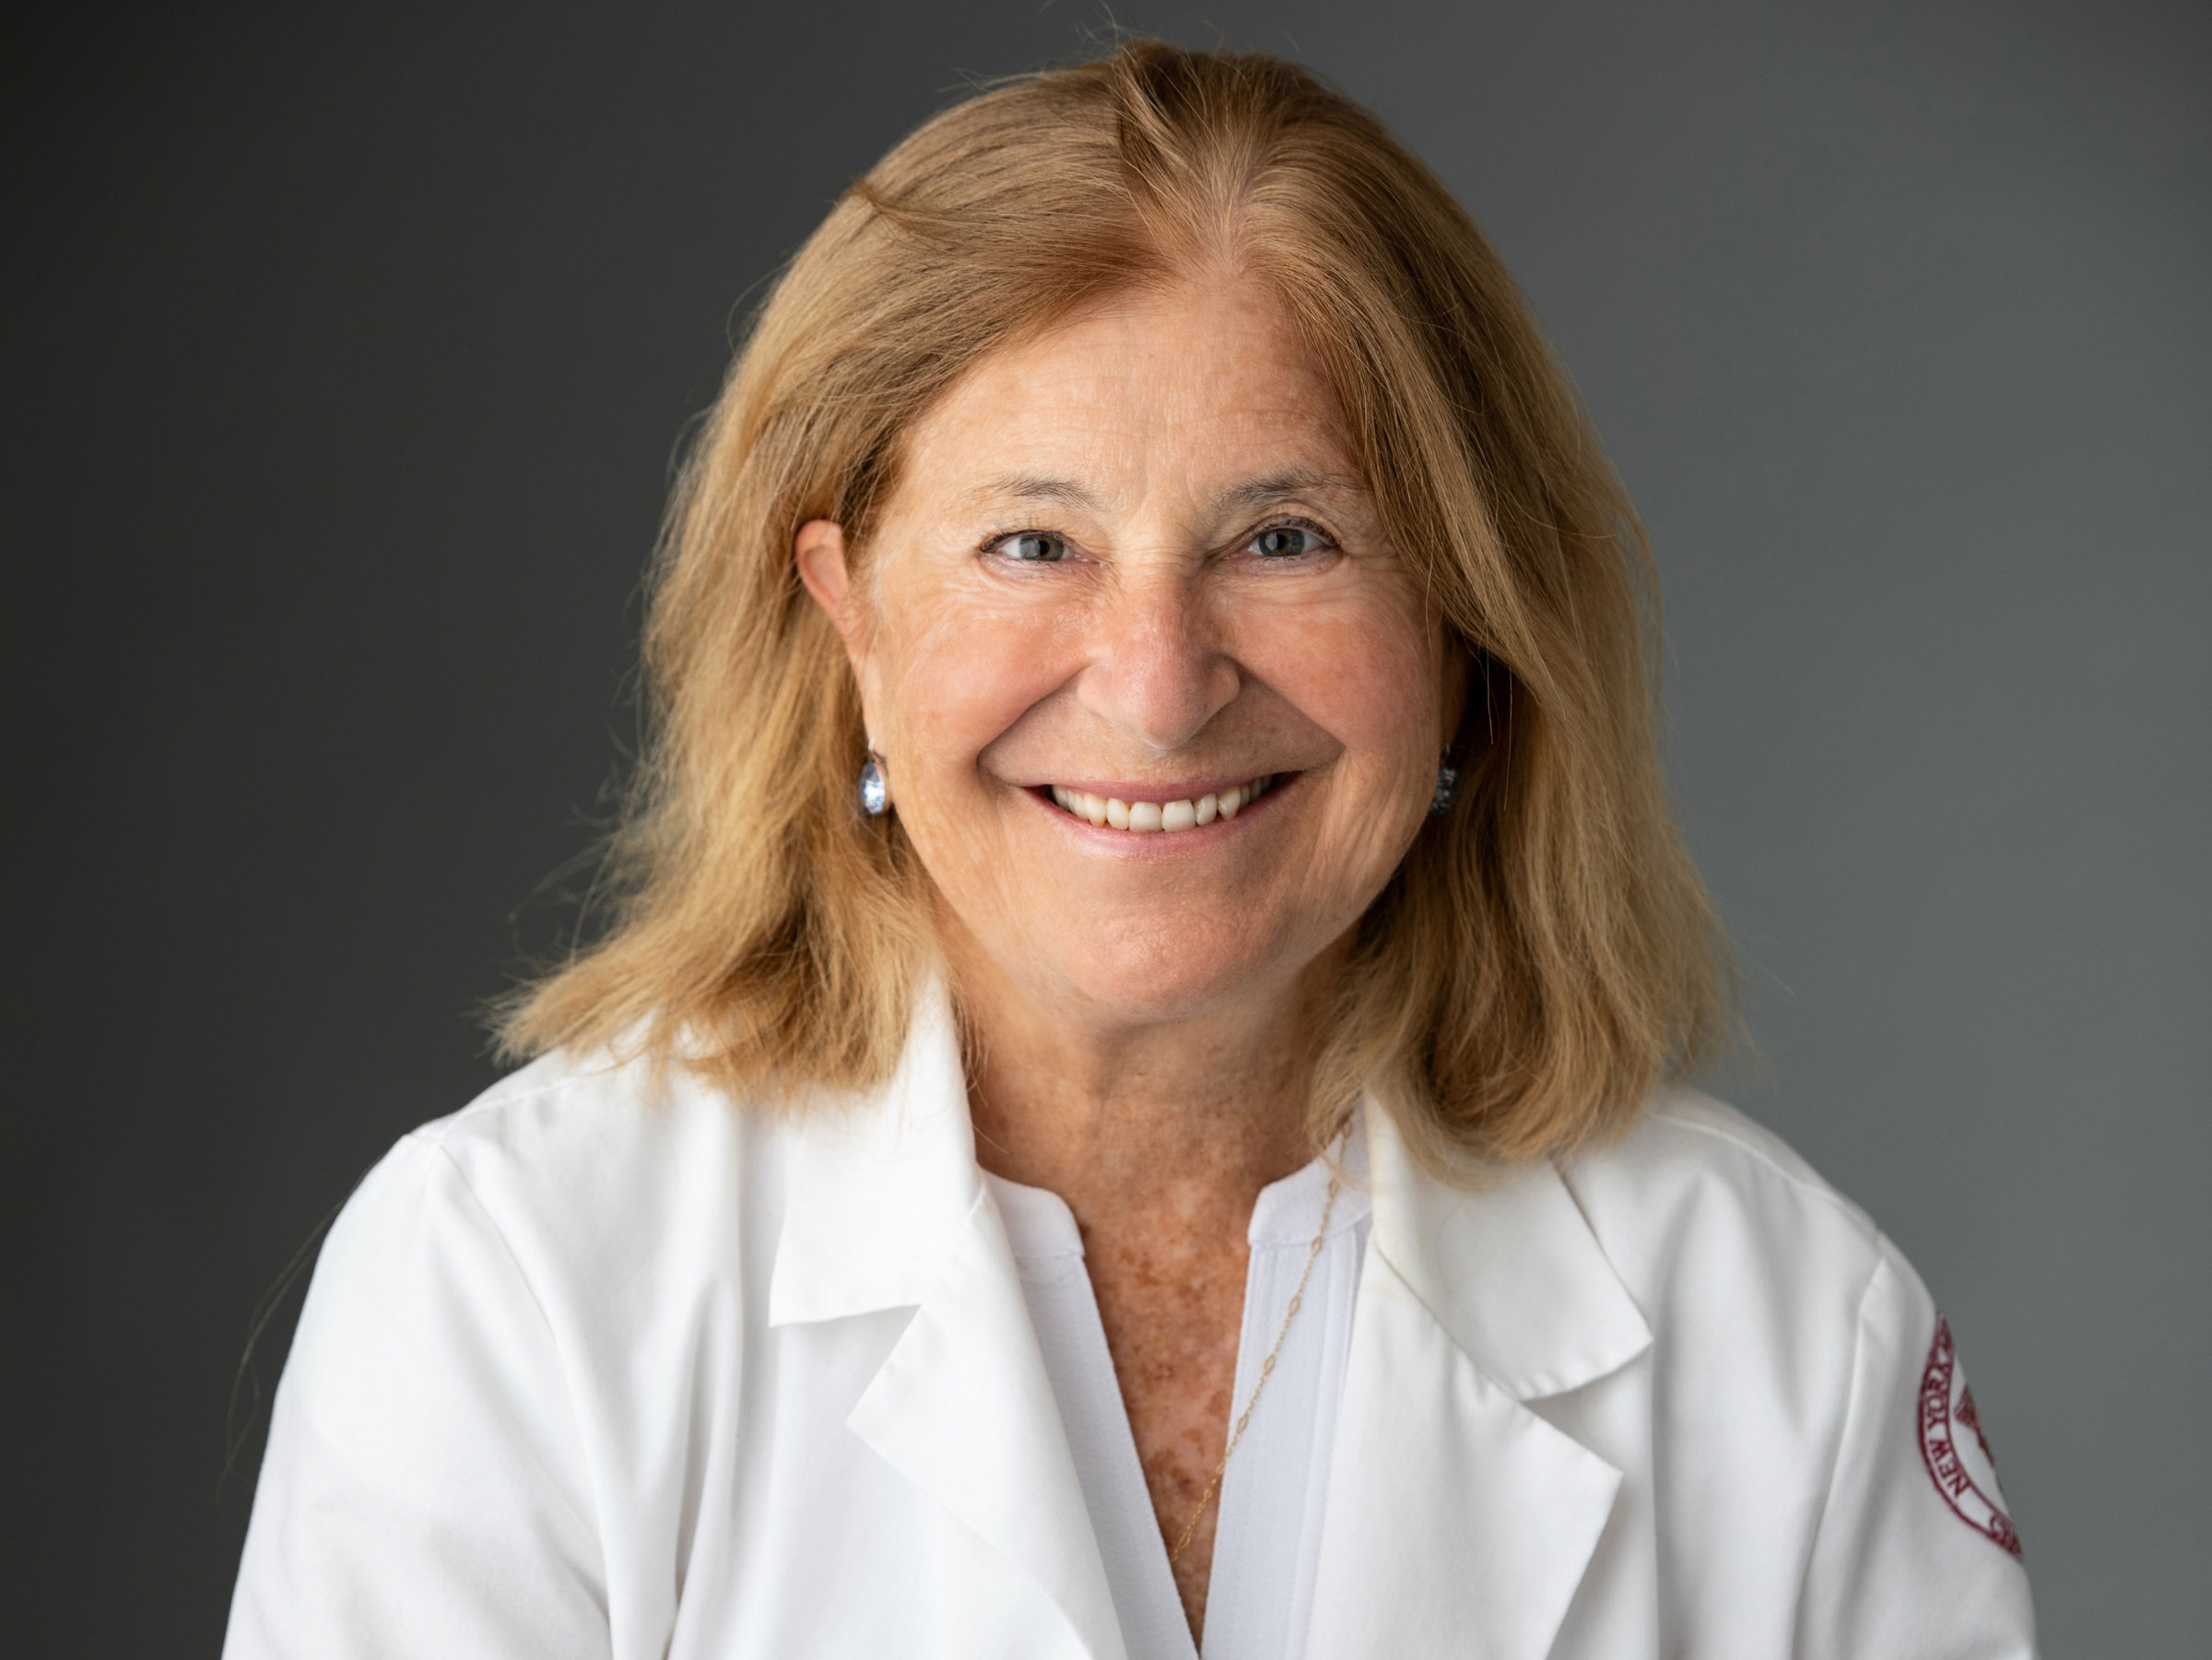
(1161, 844)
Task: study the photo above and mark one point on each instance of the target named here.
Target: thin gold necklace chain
(1298, 1300)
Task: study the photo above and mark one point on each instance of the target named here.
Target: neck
(1180, 1121)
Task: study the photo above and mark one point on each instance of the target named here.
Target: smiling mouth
(1142, 818)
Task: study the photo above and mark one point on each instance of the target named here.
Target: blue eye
(1034, 547)
(1286, 542)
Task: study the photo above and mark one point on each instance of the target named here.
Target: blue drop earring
(875, 788)
(1447, 786)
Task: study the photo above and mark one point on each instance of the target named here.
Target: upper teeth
(1160, 815)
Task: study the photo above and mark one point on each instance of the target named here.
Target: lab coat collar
(1459, 1521)
(1510, 1269)
(881, 1186)
(885, 1209)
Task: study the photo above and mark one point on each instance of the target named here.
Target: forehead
(1195, 382)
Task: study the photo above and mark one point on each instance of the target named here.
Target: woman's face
(1132, 564)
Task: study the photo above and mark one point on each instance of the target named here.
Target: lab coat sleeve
(424, 1492)
(1896, 1572)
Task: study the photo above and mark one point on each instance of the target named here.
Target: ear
(819, 550)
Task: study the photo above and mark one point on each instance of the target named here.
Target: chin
(1155, 982)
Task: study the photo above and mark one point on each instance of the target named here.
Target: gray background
(349, 350)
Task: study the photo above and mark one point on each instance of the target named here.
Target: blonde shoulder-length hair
(1543, 955)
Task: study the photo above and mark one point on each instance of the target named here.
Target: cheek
(1366, 672)
(958, 675)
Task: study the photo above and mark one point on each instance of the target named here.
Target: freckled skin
(1145, 1019)
(1163, 1188)
(1166, 1308)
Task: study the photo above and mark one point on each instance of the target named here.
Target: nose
(1157, 668)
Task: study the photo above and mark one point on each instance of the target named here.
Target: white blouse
(1268, 1537)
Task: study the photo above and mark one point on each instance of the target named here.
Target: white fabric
(606, 1367)
(1267, 1536)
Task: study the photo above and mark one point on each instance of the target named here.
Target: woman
(1121, 1110)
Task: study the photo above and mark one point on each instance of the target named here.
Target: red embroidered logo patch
(1960, 1465)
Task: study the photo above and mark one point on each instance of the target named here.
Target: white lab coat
(601, 1367)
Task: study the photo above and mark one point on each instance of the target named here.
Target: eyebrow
(1275, 486)
(1252, 493)
(1026, 487)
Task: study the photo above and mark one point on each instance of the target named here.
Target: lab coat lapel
(1459, 1522)
(963, 1408)
(887, 1208)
